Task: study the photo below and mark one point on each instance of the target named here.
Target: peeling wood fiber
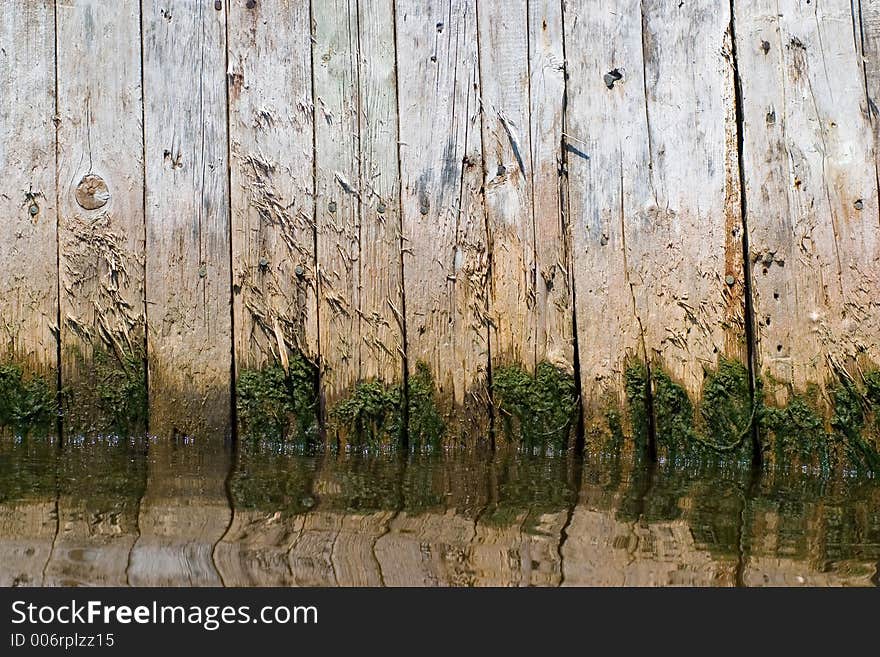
(442, 187)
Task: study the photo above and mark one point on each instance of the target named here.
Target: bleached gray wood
(101, 203)
(28, 240)
(187, 217)
(812, 191)
(553, 298)
(445, 250)
(608, 157)
(272, 139)
(508, 176)
(335, 67)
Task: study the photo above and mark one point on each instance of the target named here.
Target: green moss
(28, 404)
(372, 415)
(426, 427)
(797, 433)
(721, 429)
(275, 404)
(121, 390)
(637, 387)
(537, 410)
(799, 436)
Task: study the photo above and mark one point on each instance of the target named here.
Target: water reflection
(161, 512)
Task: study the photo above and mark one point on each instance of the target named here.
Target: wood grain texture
(187, 217)
(507, 167)
(334, 61)
(687, 264)
(101, 203)
(608, 157)
(271, 137)
(553, 293)
(28, 236)
(381, 301)
(445, 253)
(652, 157)
(812, 192)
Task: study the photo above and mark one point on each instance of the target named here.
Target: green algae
(720, 426)
(539, 410)
(277, 404)
(28, 404)
(113, 397)
(372, 415)
(637, 386)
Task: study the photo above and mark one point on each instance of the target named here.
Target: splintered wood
(392, 189)
(101, 199)
(187, 215)
(28, 240)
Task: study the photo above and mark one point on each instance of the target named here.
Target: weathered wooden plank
(272, 184)
(101, 212)
(445, 253)
(607, 157)
(811, 193)
(503, 38)
(337, 173)
(553, 298)
(381, 301)
(187, 217)
(654, 188)
(688, 266)
(28, 238)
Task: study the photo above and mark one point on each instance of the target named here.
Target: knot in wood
(91, 192)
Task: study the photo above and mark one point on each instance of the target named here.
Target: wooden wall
(213, 186)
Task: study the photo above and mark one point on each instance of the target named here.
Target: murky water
(105, 512)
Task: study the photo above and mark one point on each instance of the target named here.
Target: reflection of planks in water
(783, 571)
(786, 550)
(27, 532)
(494, 557)
(337, 549)
(602, 550)
(93, 545)
(539, 551)
(254, 552)
(183, 515)
(311, 556)
(354, 557)
(426, 550)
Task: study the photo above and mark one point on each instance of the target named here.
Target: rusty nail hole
(611, 77)
(859, 204)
